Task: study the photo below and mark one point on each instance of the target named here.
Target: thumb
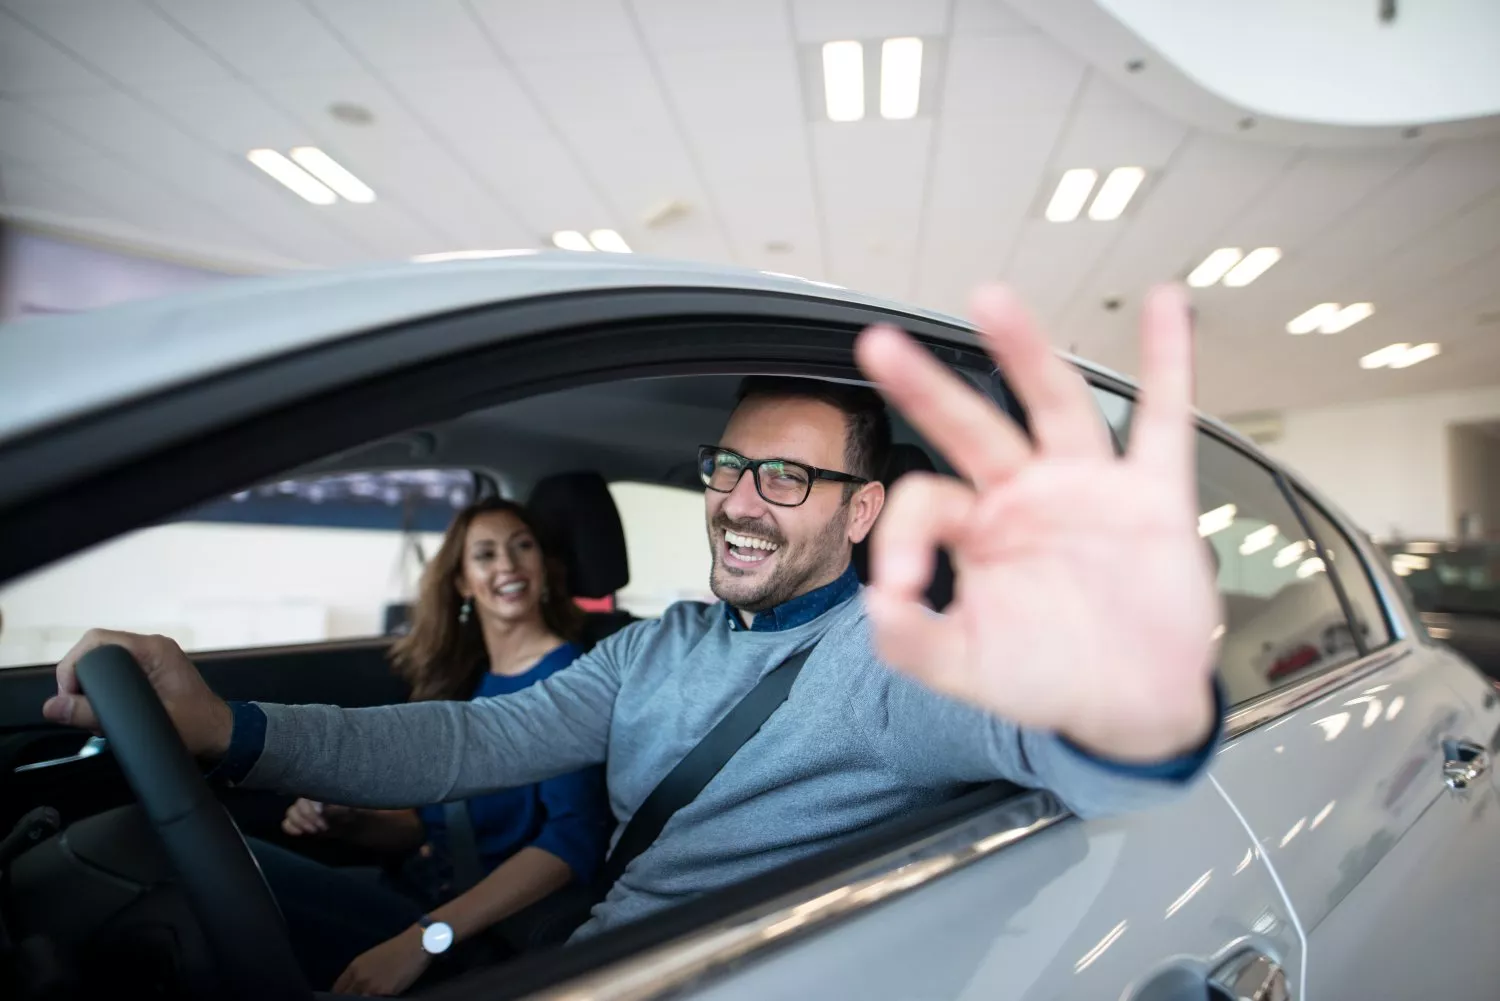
(71, 710)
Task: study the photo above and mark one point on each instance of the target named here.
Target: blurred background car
(1456, 588)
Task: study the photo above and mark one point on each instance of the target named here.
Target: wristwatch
(437, 936)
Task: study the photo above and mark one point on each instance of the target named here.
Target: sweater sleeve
(578, 821)
(934, 739)
(392, 757)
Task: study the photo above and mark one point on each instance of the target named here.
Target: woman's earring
(545, 593)
(465, 611)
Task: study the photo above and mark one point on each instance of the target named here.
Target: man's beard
(795, 567)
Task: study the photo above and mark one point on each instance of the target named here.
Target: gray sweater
(854, 744)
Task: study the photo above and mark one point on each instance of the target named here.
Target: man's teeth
(749, 542)
(514, 587)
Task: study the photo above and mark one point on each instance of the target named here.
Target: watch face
(437, 937)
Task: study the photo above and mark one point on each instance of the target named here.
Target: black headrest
(578, 520)
(903, 459)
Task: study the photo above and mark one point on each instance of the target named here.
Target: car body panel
(1086, 909)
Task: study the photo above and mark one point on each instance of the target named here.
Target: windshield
(1461, 578)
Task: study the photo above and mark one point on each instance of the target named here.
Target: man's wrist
(1123, 739)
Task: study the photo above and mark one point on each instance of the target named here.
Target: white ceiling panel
(1444, 183)
(409, 34)
(40, 188)
(1110, 129)
(870, 212)
(712, 24)
(987, 17)
(307, 98)
(32, 64)
(125, 39)
(558, 27)
(1051, 260)
(264, 40)
(762, 181)
(1470, 236)
(457, 102)
(714, 90)
(1314, 192)
(615, 88)
(26, 137)
(540, 180)
(830, 20)
(233, 117)
(463, 212)
(1009, 75)
(984, 179)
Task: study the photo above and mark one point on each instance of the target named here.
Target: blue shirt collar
(800, 610)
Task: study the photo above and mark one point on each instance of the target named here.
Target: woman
(493, 617)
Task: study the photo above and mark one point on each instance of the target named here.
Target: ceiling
(497, 122)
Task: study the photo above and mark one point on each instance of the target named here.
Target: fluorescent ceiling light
(1347, 317)
(1216, 520)
(468, 255)
(1115, 193)
(332, 173)
(844, 81)
(291, 175)
(1313, 318)
(1288, 555)
(1420, 352)
(1214, 267)
(900, 77)
(1261, 538)
(1401, 355)
(571, 239)
(1072, 191)
(1310, 566)
(1256, 263)
(609, 241)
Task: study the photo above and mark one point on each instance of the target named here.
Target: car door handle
(1249, 976)
(1465, 762)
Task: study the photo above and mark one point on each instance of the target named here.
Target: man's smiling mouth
(748, 548)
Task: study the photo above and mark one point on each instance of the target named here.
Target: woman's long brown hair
(442, 658)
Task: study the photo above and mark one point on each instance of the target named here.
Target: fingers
(69, 707)
(978, 440)
(1161, 433)
(922, 512)
(913, 638)
(1064, 419)
(304, 818)
(71, 710)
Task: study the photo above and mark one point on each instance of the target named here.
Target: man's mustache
(759, 529)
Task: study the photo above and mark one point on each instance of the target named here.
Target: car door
(1341, 775)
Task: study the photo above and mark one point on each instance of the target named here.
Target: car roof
(56, 367)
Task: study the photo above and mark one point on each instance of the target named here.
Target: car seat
(577, 519)
(903, 459)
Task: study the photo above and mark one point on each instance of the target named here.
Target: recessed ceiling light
(1313, 318)
(608, 241)
(900, 77)
(1416, 353)
(1214, 267)
(1072, 191)
(571, 239)
(844, 81)
(1115, 193)
(1347, 317)
(469, 255)
(1256, 263)
(291, 175)
(332, 173)
(1386, 355)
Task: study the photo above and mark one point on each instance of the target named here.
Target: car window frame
(1277, 701)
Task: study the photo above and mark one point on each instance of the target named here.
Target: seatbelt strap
(684, 782)
(463, 847)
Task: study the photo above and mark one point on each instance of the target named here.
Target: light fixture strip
(1072, 191)
(900, 77)
(608, 241)
(1256, 263)
(1312, 319)
(571, 239)
(1214, 267)
(844, 81)
(292, 176)
(334, 174)
(1115, 193)
(1347, 317)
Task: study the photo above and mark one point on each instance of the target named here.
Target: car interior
(95, 901)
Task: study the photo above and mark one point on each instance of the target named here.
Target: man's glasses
(779, 481)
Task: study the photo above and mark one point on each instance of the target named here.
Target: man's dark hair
(867, 426)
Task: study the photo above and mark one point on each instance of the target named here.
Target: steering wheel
(222, 882)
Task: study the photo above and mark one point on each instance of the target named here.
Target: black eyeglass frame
(814, 474)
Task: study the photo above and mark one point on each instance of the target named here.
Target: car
(1456, 589)
(1341, 845)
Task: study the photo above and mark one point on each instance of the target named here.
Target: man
(1076, 655)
